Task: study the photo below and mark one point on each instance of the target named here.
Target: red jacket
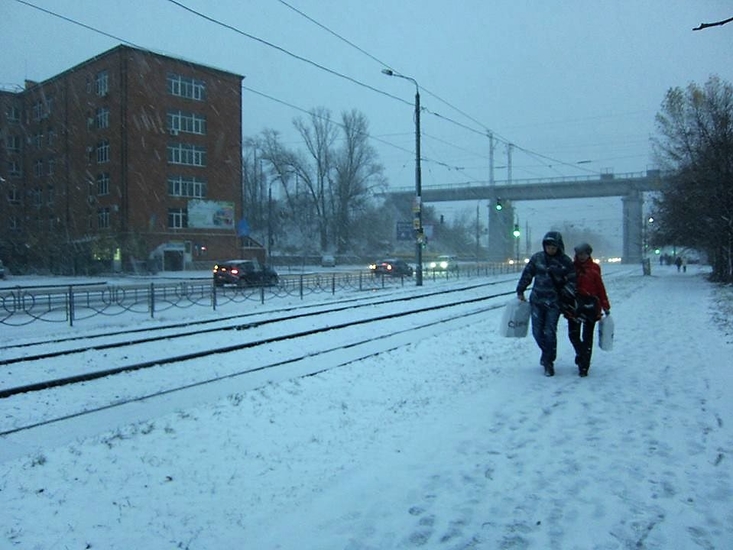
(590, 283)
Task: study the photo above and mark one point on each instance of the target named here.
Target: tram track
(368, 330)
(46, 349)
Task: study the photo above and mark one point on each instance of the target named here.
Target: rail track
(132, 366)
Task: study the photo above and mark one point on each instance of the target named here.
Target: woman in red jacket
(591, 300)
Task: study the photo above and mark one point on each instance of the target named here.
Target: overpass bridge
(630, 187)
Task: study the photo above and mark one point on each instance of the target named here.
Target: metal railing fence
(75, 303)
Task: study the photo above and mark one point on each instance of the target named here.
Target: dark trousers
(581, 336)
(544, 330)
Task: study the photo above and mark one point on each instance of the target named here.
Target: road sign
(404, 231)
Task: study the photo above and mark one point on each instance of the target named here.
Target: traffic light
(516, 231)
(499, 206)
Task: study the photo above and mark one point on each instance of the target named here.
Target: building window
(191, 155)
(13, 223)
(103, 151)
(103, 218)
(13, 196)
(51, 166)
(13, 113)
(189, 88)
(51, 195)
(14, 170)
(37, 196)
(177, 218)
(51, 136)
(38, 168)
(38, 111)
(190, 123)
(178, 186)
(101, 83)
(103, 184)
(14, 144)
(102, 118)
(38, 140)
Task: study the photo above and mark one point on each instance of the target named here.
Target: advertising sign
(210, 214)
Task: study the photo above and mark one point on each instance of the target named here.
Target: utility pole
(491, 158)
(509, 149)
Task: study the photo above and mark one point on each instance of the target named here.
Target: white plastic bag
(605, 333)
(515, 319)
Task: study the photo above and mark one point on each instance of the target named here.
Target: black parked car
(244, 273)
(396, 268)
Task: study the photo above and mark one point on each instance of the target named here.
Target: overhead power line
(485, 132)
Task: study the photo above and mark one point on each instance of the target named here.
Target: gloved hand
(520, 295)
(607, 311)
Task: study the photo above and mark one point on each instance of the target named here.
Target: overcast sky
(566, 81)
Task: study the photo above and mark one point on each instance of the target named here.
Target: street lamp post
(417, 207)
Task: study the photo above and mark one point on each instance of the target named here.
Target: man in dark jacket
(552, 292)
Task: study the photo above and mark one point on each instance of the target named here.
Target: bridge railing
(535, 181)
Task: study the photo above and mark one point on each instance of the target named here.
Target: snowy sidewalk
(453, 442)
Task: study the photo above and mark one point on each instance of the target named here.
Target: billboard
(210, 214)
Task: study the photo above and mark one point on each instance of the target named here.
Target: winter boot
(583, 368)
(549, 369)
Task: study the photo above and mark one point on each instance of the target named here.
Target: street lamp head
(388, 72)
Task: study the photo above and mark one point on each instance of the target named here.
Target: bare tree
(702, 26)
(319, 137)
(696, 144)
(356, 175)
(253, 185)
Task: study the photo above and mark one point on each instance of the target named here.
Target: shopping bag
(515, 319)
(605, 333)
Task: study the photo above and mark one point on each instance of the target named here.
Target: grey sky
(570, 80)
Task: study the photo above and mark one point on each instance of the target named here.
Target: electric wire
(485, 132)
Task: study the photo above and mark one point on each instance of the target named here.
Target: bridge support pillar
(633, 225)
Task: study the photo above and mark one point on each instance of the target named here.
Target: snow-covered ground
(453, 442)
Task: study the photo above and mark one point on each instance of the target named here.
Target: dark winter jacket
(554, 276)
(590, 283)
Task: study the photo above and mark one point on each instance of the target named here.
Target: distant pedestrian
(554, 287)
(591, 300)
(678, 263)
(684, 264)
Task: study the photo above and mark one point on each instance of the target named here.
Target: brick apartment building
(129, 160)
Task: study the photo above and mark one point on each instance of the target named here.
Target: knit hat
(584, 248)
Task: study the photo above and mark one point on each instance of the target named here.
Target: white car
(443, 263)
(328, 260)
